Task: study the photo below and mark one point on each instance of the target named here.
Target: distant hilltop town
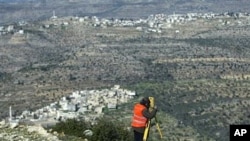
(86, 104)
(154, 23)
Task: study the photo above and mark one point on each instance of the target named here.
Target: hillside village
(154, 23)
(86, 104)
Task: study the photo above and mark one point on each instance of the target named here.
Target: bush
(106, 130)
(71, 127)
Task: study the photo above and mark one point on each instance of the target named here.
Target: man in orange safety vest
(141, 114)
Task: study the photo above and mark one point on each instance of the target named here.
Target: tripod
(146, 132)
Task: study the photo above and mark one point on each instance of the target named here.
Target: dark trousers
(138, 136)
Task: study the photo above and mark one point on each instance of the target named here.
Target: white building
(98, 109)
(112, 105)
(21, 32)
(10, 28)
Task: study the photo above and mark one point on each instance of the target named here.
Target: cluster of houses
(154, 23)
(88, 104)
(5, 29)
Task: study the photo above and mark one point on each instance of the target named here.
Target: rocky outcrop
(25, 133)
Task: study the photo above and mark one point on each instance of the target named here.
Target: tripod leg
(158, 127)
(146, 132)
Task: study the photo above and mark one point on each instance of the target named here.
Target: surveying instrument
(147, 128)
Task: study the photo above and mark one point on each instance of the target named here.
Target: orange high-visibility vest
(138, 119)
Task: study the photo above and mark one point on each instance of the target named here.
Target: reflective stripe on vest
(138, 119)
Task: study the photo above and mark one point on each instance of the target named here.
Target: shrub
(71, 127)
(106, 130)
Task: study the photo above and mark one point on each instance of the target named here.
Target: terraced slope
(200, 74)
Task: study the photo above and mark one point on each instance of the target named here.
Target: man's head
(145, 101)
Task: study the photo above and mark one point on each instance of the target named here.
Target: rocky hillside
(198, 69)
(24, 133)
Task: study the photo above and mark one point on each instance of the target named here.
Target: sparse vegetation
(103, 130)
(202, 103)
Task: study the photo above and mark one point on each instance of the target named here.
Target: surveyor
(141, 115)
